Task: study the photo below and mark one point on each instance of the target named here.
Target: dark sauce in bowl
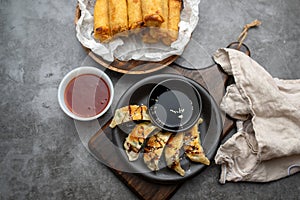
(174, 105)
(87, 95)
(174, 108)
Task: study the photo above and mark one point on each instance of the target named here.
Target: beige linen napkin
(267, 144)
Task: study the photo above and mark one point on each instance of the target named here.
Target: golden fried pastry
(172, 153)
(173, 21)
(101, 21)
(192, 146)
(154, 149)
(165, 14)
(135, 17)
(136, 139)
(113, 17)
(161, 32)
(118, 16)
(152, 12)
(129, 113)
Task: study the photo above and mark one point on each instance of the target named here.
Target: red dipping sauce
(87, 95)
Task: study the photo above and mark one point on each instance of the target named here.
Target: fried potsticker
(154, 149)
(192, 146)
(172, 152)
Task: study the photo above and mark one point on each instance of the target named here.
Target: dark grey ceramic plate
(210, 130)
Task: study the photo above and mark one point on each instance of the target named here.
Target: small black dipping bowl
(174, 105)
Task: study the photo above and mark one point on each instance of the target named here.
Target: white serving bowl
(75, 73)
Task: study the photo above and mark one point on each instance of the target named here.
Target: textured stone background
(41, 155)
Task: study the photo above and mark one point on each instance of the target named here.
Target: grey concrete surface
(41, 154)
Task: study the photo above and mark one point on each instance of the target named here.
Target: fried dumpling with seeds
(172, 152)
(192, 146)
(135, 140)
(129, 113)
(154, 149)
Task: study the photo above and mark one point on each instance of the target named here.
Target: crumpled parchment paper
(132, 47)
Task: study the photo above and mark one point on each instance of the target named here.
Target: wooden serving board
(100, 145)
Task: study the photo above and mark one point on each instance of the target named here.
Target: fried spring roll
(173, 21)
(135, 17)
(101, 21)
(161, 32)
(118, 16)
(152, 12)
(165, 13)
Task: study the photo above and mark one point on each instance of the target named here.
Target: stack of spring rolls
(115, 17)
